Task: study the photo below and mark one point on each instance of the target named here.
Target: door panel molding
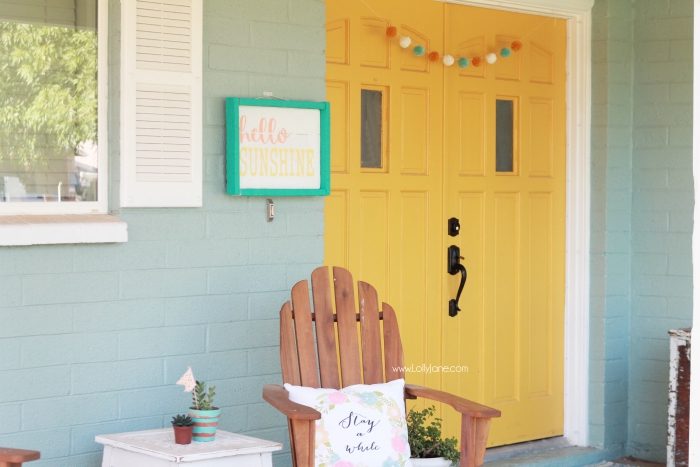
(578, 224)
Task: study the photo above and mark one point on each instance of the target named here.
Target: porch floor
(556, 452)
(627, 461)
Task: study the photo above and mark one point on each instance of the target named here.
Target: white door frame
(694, 444)
(578, 188)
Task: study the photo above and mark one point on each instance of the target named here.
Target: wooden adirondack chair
(360, 362)
(15, 457)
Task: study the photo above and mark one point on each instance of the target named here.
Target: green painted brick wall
(641, 273)
(93, 337)
(662, 203)
(611, 194)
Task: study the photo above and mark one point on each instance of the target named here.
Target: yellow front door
(414, 143)
(505, 180)
(386, 198)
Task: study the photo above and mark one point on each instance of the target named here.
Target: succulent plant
(182, 420)
(203, 398)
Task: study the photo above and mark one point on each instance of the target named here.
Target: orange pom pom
(391, 31)
(434, 56)
(516, 45)
(476, 61)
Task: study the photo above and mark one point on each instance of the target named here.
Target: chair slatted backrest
(319, 344)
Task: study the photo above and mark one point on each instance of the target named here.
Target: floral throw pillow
(361, 426)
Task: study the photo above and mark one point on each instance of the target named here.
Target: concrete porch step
(553, 452)
(629, 461)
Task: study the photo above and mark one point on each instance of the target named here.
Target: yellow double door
(414, 143)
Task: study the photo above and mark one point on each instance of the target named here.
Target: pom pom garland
(449, 60)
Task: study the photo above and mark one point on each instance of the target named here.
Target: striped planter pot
(205, 423)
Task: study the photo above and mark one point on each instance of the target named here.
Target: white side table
(157, 448)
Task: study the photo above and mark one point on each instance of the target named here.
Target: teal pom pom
(418, 50)
(463, 62)
(505, 52)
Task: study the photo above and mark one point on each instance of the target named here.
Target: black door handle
(453, 267)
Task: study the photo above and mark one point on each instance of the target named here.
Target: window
(506, 136)
(53, 155)
(374, 127)
(371, 154)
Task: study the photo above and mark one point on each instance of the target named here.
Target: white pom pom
(405, 42)
(491, 58)
(448, 60)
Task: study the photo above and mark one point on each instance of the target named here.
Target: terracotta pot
(183, 434)
(430, 462)
(205, 423)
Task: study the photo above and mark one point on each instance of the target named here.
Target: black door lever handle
(453, 267)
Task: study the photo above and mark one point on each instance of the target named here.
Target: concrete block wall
(662, 203)
(642, 215)
(611, 224)
(93, 337)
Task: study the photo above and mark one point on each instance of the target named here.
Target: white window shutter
(161, 103)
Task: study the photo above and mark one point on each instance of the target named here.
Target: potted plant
(182, 426)
(203, 412)
(428, 448)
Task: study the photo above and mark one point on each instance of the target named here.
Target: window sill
(61, 229)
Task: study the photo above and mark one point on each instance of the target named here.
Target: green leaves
(182, 420)
(203, 397)
(48, 91)
(425, 438)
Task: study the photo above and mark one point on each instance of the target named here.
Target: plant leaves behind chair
(15, 457)
(313, 362)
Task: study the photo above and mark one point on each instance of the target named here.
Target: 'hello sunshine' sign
(277, 147)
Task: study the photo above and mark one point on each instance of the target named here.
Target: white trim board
(578, 222)
(65, 229)
(694, 442)
(560, 8)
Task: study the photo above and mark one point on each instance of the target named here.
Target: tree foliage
(48, 90)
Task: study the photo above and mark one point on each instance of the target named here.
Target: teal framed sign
(277, 147)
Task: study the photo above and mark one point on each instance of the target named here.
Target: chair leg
(303, 435)
(475, 433)
(291, 442)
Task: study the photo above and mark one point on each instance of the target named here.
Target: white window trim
(72, 222)
(578, 199)
(83, 207)
(61, 229)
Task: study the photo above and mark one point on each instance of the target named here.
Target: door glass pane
(371, 155)
(504, 135)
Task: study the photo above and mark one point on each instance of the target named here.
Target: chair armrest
(18, 456)
(461, 405)
(278, 397)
